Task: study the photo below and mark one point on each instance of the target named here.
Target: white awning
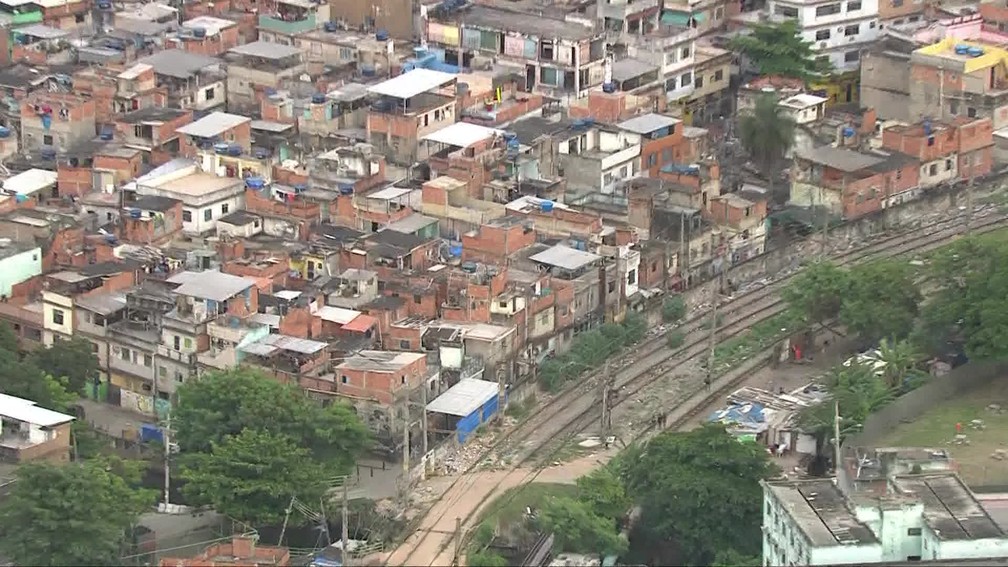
(462, 134)
(408, 85)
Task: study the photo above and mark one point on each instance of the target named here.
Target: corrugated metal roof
(464, 398)
(24, 410)
(212, 285)
(213, 124)
(564, 257)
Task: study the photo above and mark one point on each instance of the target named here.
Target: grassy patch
(509, 508)
(936, 428)
(522, 409)
(760, 337)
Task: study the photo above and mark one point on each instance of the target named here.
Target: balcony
(178, 356)
(289, 27)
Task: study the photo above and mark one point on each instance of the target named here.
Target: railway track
(574, 410)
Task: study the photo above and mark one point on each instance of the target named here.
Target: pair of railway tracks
(575, 410)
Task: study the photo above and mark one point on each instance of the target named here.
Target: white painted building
(673, 51)
(205, 197)
(838, 30)
(921, 517)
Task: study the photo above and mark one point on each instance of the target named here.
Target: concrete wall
(885, 77)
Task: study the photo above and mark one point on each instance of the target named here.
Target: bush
(675, 339)
(674, 309)
(590, 350)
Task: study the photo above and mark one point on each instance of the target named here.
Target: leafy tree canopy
(778, 49)
(224, 404)
(710, 480)
(881, 301)
(74, 514)
(579, 529)
(970, 304)
(72, 359)
(767, 133)
(603, 493)
(252, 476)
(732, 558)
(816, 294)
(24, 379)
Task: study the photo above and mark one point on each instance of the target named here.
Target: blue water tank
(455, 250)
(848, 132)
(234, 150)
(106, 134)
(975, 51)
(318, 98)
(345, 188)
(104, 5)
(135, 213)
(260, 153)
(269, 91)
(367, 70)
(330, 27)
(381, 35)
(47, 152)
(256, 183)
(199, 33)
(4, 132)
(300, 188)
(609, 87)
(546, 206)
(221, 147)
(47, 121)
(927, 127)
(962, 49)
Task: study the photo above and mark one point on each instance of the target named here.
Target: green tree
(486, 559)
(73, 514)
(778, 49)
(882, 300)
(732, 558)
(22, 379)
(767, 133)
(970, 302)
(8, 340)
(227, 403)
(578, 529)
(673, 309)
(602, 491)
(710, 480)
(73, 359)
(816, 294)
(252, 476)
(898, 358)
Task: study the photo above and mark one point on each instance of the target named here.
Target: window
(187, 342)
(503, 304)
(126, 355)
(208, 214)
(854, 5)
(57, 316)
(971, 112)
(652, 160)
(186, 215)
(827, 10)
(851, 56)
(210, 94)
(148, 360)
(405, 345)
(224, 209)
(871, 25)
(948, 165)
(177, 343)
(718, 13)
(822, 35)
(612, 287)
(698, 83)
(851, 30)
(47, 140)
(684, 54)
(913, 557)
(402, 379)
(345, 379)
(162, 371)
(686, 79)
(718, 75)
(897, 3)
(786, 11)
(913, 531)
(631, 277)
(954, 107)
(933, 169)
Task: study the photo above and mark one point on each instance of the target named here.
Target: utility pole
(344, 531)
(969, 196)
(836, 437)
(458, 543)
(501, 393)
(405, 451)
(423, 424)
(287, 513)
(167, 459)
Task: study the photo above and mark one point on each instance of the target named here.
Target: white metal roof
(271, 344)
(464, 398)
(803, 101)
(564, 257)
(647, 123)
(288, 294)
(29, 182)
(212, 285)
(213, 124)
(462, 134)
(265, 50)
(337, 315)
(388, 193)
(408, 85)
(24, 410)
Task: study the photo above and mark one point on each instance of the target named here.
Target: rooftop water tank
(135, 213)
(234, 150)
(318, 98)
(546, 206)
(608, 88)
(381, 35)
(330, 27)
(455, 250)
(962, 49)
(270, 91)
(256, 183)
(975, 51)
(300, 188)
(848, 132)
(4, 132)
(221, 147)
(260, 153)
(106, 134)
(199, 33)
(367, 70)
(345, 188)
(469, 267)
(47, 152)
(104, 5)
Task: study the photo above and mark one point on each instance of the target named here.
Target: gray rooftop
(41, 31)
(380, 361)
(212, 285)
(265, 50)
(565, 257)
(819, 509)
(412, 223)
(647, 123)
(950, 509)
(103, 303)
(626, 69)
(177, 63)
(845, 160)
(506, 20)
(271, 344)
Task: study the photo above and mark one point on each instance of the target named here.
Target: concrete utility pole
(969, 195)
(423, 424)
(344, 531)
(501, 393)
(836, 437)
(457, 556)
(606, 402)
(167, 460)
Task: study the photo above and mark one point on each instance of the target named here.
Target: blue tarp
(748, 415)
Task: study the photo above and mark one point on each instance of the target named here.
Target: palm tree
(898, 358)
(767, 133)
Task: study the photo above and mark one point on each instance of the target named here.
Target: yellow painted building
(711, 96)
(841, 88)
